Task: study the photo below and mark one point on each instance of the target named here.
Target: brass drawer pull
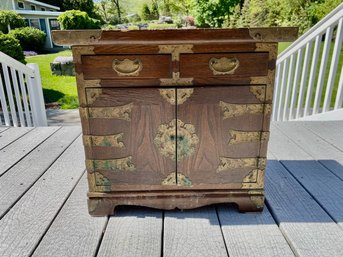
(223, 65)
(127, 67)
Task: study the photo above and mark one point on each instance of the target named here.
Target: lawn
(60, 89)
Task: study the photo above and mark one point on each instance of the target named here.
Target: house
(36, 14)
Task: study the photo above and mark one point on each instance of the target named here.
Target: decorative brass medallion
(182, 95)
(176, 147)
(227, 164)
(235, 110)
(259, 92)
(127, 67)
(116, 165)
(223, 65)
(237, 137)
(255, 179)
(182, 180)
(118, 112)
(177, 81)
(111, 140)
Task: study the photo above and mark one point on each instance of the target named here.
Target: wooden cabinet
(175, 119)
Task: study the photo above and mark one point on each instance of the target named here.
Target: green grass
(61, 89)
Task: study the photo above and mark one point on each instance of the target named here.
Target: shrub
(31, 39)
(162, 26)
(11, 46)
(10, 18)
(75, 19)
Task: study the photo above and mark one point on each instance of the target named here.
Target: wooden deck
(43, 208)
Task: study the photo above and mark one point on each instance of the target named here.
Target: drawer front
(126, 67)
(227, 65)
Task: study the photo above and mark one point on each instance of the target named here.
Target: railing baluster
(303, 79)
(339, 97)
(276, 90)
(288, 89)
(333, 66)
(25, 100)
(17, 97)
(323, 65)
(4, 104)
(10, 95)
(295, 83)
(312, 76)
(282, 89)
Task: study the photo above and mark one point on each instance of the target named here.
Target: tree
(81, 5)
(154, 11)
(183, 7)
(117, 6)
(10, 19)
(145, 12)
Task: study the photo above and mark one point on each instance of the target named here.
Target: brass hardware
(127, 67)
(118, 112)
(227, 163)
(176, 81)
(236, 110)
(115, 165)
(175, 50)
(93, 94)
(223, 65)
(182, 95)
(271, 48)
(166, 140)
(111, 140)
(259, 92)
(78, 51)
(101, 180)
(182, 180)
(237, 137)
(255, 179)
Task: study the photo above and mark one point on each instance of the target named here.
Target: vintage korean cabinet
(175, 118)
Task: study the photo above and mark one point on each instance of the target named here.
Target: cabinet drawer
(126, 66)
(228, 65)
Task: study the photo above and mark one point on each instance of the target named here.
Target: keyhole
(172, 137)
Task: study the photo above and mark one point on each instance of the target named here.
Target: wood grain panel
(159, 66)
(197, 65)
(149, 111)
(203, 111)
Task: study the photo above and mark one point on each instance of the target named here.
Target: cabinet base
(103, 204)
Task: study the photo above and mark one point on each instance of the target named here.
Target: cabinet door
(123, 142)
(218, 135)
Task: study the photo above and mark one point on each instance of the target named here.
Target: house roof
(42, 4)
(38, 13)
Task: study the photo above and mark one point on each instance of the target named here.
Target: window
(33, 8)
(35, 23)
(21, 5)
(54, 25)
(43, 9)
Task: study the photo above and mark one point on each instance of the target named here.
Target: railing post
(36, 97)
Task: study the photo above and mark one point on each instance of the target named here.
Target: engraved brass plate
(101, 180)
(111, 140)
(93, 94)
(182, 95)
(182, 180)
(235, 110)
(127, 67)
(223, 65)
(259, 92)
(118, 112)
(175, 50)
(177, 81)
(227, 164)
(237, 137)
(255, 179)
(186, 140)
(116, 165)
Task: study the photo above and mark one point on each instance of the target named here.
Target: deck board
(133, 232)
(193, 233)
(74, 232)
(2, 129)
(15, 182)
(44, 211)
(12, 134)
(23, 226)
(14, 152)
(252, 234)
(322, 184)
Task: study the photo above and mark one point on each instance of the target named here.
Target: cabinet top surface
(95, 37)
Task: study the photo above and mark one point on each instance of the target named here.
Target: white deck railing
(26, 106)
(304, 72)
